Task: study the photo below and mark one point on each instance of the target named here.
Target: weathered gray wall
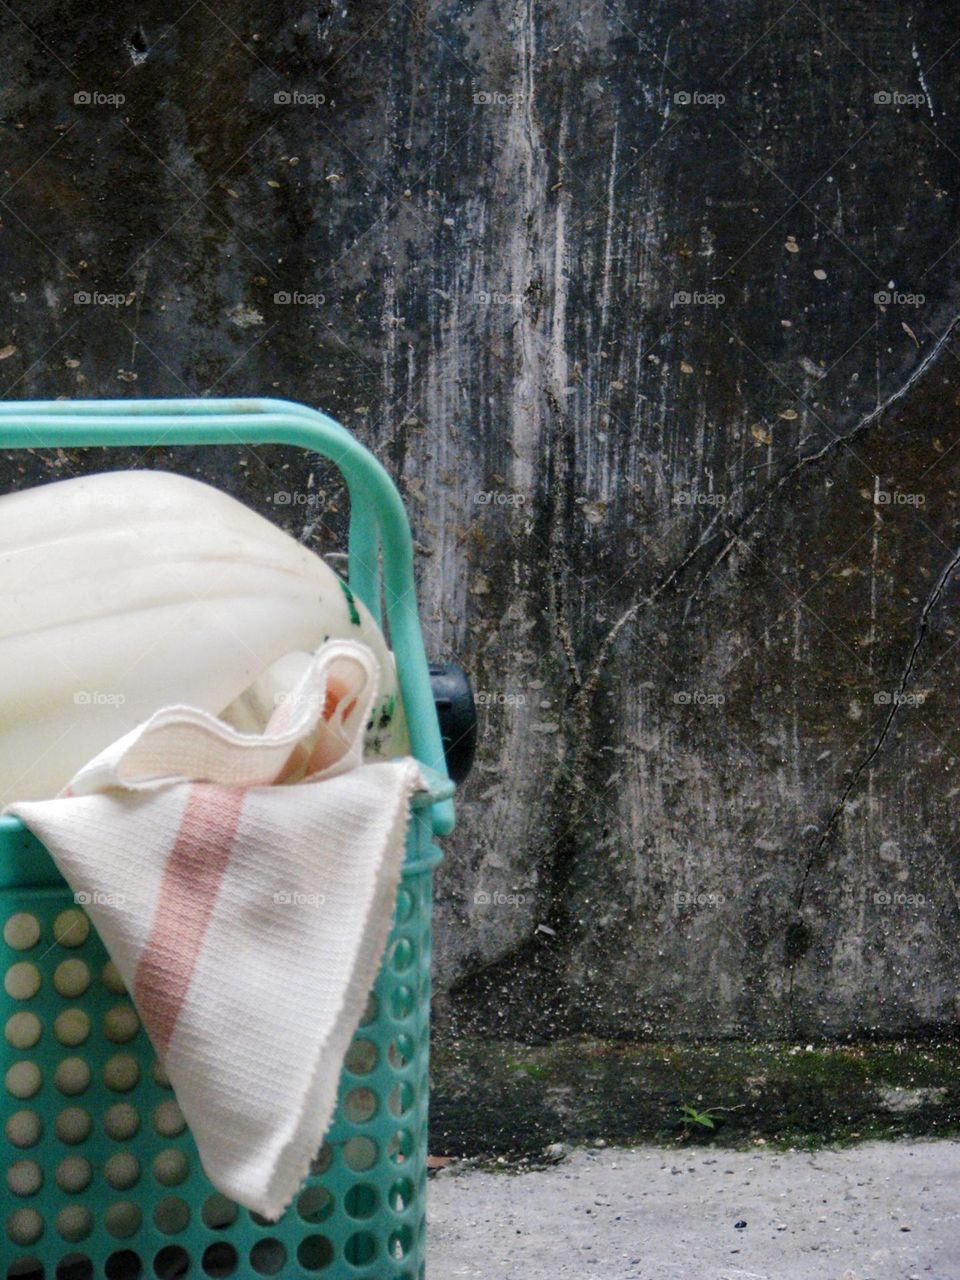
(716, 663)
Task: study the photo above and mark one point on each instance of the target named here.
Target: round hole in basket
(171, 1263)
(22, 980)
(315, 1204)
(72, 1077)
(122, 1170)
(404, 954)
(361, 1057)
(74, 1223)
(25, 1177)
(75, 1266)
(123, 1219)
(23, 1080)
(121, 1121)
(71, 928)
(168, 1119)
(171, 1215)
(403, 1001)
(219, 1260)
(401, 1051)
(23, 1129)
(360, 1105)
(268, 1257)
(124, 1265)
(71, 978)
(73, 1125)
(21, 931)
(71, 1027)
(361, 1200)
(400, 1242)
(400, 1146)
(218, 1212)
(121, 1073)
(23, 1030)
(360, 1154)
(73, 1174)
(121, 1024)
(315, 1253)
(25, 1226)
(321, 1161)
(171, 1167)
(400, 1195)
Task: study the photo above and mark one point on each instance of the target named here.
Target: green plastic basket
(101, 1176)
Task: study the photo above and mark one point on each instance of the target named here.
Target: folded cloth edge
(110, 768)
(310, 1122)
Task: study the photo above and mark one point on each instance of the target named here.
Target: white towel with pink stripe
(244, 885)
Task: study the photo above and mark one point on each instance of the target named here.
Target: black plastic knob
(457, 713)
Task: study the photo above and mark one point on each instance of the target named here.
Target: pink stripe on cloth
(188, 892)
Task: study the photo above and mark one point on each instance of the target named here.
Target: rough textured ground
(883, 1211)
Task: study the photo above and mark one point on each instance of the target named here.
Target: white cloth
(244, 886)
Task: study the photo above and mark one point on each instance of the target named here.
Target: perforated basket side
(102, 1177)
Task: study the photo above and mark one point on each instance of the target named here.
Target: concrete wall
(604, 286)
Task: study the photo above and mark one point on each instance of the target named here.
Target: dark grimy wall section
(650, 309)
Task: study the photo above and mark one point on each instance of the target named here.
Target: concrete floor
(881, 1211)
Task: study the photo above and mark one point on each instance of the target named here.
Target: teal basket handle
(378, 521)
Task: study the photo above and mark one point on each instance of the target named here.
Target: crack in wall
(738, 527)
(583, 751)
(866, 422)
